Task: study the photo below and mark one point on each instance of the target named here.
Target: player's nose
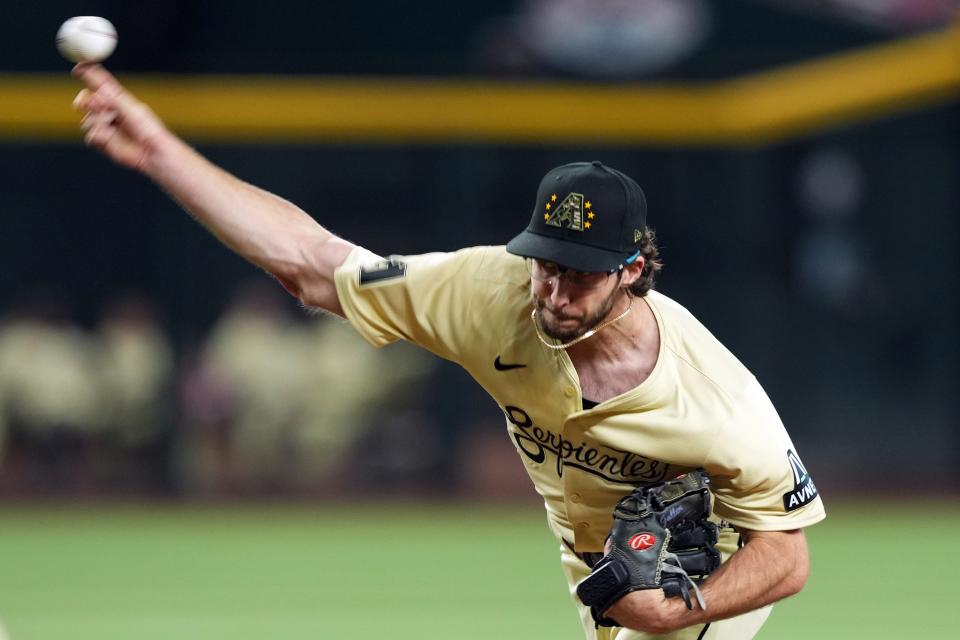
(559, 296)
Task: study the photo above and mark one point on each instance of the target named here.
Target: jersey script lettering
(608, 463)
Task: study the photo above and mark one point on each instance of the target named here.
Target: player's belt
(589, 558)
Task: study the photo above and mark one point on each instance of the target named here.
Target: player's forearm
(265, 229)
(259, 226)
(770, 566)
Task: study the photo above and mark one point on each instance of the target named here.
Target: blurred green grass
(370, 571)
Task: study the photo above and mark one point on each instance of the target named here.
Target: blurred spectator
(364, 401)
(273, 402)
(239, 395)
(135, 367)
(51, 401)
(136, 364)
(608, 38)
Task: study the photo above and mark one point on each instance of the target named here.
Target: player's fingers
(103, 100)
(92, 128)
(99, 136)
(105, 87)
(94, 76)
(99, 118)
(82, 101)
(88, 101)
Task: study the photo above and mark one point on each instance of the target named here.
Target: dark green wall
(869, 388)
(879, 374)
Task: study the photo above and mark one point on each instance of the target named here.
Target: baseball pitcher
(676, 497)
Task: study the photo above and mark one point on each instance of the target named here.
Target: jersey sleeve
(425, 299)
(758, 480)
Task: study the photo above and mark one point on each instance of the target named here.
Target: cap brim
(568, 254)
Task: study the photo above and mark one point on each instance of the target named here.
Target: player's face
(566, 311)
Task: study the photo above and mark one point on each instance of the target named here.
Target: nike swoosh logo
(499, 366)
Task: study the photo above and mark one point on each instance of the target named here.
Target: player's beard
(589, 321)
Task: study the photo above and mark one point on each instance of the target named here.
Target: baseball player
(608, 387)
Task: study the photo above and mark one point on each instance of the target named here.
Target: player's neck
(618, 338)
(622, 358)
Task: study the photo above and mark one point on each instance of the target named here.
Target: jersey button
(569, 391)
(575, 497)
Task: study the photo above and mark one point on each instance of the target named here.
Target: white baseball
(86, 39)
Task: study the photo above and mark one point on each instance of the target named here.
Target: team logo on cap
(642, 541)
(573, 212)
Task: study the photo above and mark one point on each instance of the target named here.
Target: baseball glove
(660, 538)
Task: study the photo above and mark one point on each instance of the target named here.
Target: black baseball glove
(660, 538)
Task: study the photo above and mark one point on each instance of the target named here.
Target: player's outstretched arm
(265, 229)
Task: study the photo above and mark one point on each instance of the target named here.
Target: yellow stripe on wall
(836, 90)
(752, 109)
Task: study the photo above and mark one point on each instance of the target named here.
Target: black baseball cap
(588, 217)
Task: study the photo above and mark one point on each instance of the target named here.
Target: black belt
(589, 558)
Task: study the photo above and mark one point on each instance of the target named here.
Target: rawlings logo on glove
(660, 538)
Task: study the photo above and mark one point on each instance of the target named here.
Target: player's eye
(548, 267)
(586, 278)
(542, 270)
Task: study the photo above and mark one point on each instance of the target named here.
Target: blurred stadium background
(181, 447)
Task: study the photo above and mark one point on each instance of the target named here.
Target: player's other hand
(114, 121)
(648, 610)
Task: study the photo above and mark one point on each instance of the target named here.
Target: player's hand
(651, 612)
(115, 122)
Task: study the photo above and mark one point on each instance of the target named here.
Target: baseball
(86, 39)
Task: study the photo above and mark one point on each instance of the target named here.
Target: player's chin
(562, 330)
(548, 315)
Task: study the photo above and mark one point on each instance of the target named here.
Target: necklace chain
(549, 345)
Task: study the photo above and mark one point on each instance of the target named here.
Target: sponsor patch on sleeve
(804, 491)
(388, 269)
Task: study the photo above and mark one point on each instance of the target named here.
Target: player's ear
(631, 273)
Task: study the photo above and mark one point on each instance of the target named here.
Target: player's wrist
(651, 611)
(678, 615)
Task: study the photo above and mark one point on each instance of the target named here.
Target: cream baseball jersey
(699, 408)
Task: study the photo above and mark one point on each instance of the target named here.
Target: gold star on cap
(591, 215)
(587, 205)
(546, 216)
(548, 206)
(587, 225)
(553, 198)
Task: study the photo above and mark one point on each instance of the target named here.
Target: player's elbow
(324, 298)
(307, 274)
(318, 261)
(288, 273)
(799, 573)
(788, 558)
(288, 281)
(312, 292)
(796, 581)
